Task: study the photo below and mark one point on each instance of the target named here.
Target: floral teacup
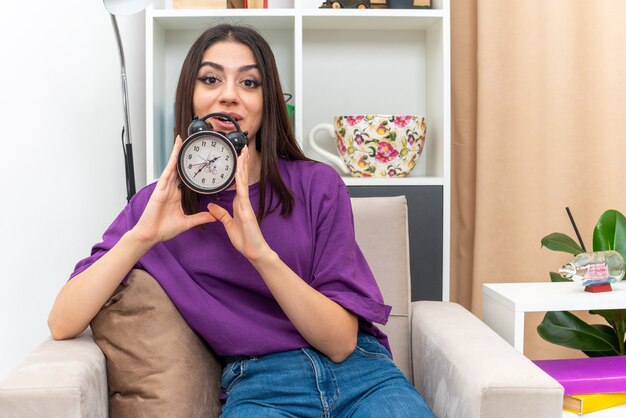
(374, 145)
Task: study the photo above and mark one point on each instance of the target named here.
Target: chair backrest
(381, 228)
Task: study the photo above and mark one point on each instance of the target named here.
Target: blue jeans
(305, 383)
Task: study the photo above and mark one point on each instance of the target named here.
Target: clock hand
(214, 159)
(201, 168)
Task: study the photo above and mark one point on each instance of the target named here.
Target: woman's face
(229, 81)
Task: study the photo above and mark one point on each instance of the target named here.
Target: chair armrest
(58, 379)
(463, 368)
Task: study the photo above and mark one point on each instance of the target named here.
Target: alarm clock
(207, 161)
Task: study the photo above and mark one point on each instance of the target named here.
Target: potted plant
(566, 329)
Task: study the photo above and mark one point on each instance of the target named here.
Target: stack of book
(590, 384)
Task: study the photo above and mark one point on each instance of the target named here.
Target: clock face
(207, 162)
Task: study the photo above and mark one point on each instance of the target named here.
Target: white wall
(61, 163)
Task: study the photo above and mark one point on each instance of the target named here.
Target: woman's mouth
(221, 123)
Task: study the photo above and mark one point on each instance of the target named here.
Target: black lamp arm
(126, 138)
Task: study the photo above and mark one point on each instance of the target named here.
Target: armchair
(461, 367)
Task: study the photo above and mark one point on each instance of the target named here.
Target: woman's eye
(209, 79)
(251, 83)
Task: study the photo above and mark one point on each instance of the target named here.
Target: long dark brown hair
(275, 138)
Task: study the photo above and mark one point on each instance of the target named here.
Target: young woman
(268, 272)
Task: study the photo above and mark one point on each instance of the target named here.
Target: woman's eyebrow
(220, 67)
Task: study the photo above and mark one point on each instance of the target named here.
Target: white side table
(504, 304)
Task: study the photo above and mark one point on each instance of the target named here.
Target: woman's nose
(229, 93)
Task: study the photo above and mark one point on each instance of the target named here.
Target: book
(583, 404)
(587, 375)
(247, 4)
(256, 4)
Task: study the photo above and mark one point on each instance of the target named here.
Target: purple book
(587, 375)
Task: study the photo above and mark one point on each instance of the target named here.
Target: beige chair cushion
(156, 365)
(381, 229)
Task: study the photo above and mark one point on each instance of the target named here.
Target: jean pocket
(232, 374)
(369, 346)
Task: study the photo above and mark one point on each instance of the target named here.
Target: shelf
(367, 72)
(312, 5)
(379, 20)
(393, 181)
(412, 13)
(189, 20)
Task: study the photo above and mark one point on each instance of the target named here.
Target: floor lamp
(122, 8)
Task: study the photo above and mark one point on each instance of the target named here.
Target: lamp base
(598, 288)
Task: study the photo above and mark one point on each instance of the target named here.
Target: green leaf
(567, 330)
(556, 277)
(617, 319)
(610, 233)
(561, 242)
(610, 333)
(612, 315)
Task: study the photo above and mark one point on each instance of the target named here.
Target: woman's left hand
(242, 228)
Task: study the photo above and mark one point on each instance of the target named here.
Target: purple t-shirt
(220, 294)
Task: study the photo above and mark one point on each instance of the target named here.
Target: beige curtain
(538, 117)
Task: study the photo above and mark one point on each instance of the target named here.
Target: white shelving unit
(333, 62)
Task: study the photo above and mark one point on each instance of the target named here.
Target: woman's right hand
(163, 218)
